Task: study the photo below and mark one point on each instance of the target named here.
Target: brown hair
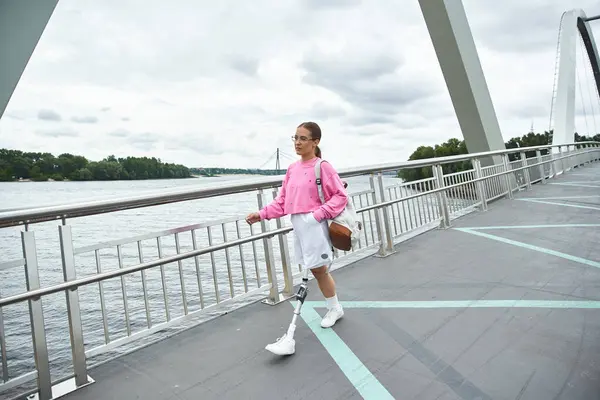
(315, 133)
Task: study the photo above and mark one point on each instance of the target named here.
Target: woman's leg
(325, 281)
(327, 286)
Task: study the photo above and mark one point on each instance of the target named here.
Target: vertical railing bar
(417, 191)
(73, 308)
(460, 192)
(36, 316)
(425, 189)
(400, 226)
(465, 189)
(102, 302)
(370, 220)
(284, 252)
(426, 201)
(144, 285)
(389, 242)
(181, 277)
(273, 296)
(242, 261)
(3, 347)
(420, 204)
(254, 251)
(401, 214)
(404, 216)
(410, 211)
(449, 194)
(213, 266)
(377, 214)
(474, 196)
(362, 215)
(228, 261)
(456, 198)
(124, 291)
(442, 198)
(198, 272)
(360, 240)
(164, 280)
(393, 212)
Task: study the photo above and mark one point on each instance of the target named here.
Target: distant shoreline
(119, 180)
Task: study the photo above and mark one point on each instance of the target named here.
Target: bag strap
(318, 180)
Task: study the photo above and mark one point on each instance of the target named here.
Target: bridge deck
(488, 313)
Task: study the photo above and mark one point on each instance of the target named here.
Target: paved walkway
(503, 305)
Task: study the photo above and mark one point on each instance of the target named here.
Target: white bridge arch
(573, 22)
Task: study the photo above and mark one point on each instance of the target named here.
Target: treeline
(17, 165)
(455, 147)
(235, 171)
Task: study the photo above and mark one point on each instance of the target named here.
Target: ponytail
(318, 152)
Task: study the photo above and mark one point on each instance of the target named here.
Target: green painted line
(532, 247)
(560, 204)
(576, 182)
(483, 228)
(359, 375)
(464, 304)
(363, 380)
(559, 197)
(574, 185)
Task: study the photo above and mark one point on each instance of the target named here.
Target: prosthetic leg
(286, 344)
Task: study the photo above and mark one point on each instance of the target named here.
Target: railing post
(36, 315)
(387, 246)
(274, 297)
(3, 357)
(506, 163)
(377, 212)
(438, 173)
(526, 170)
(73, 309)
(480, 184)
(288, 278)
(538, 156)
(562, 162)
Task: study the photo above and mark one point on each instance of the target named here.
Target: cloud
(85, 120)
(49, 115)
(57, 133)
(228, 82)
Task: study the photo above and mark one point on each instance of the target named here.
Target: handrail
(50, 213)
(74, 284)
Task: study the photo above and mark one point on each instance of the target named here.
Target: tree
(455, 146)
(15, 165)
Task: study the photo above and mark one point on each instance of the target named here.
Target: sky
(225, 83)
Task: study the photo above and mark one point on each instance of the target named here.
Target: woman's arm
(334, 192)
(275, 209)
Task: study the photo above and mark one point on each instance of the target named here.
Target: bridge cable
(268, 160)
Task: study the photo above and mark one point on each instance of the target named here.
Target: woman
(299, 198)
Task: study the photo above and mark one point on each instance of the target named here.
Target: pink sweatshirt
(299, 193)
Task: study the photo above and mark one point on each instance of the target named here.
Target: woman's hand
(253, 218)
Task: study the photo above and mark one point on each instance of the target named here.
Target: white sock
(332, 302)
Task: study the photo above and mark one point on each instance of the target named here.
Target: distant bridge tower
(277, 162)
(563, 107)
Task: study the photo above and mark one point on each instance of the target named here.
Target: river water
(100, 228)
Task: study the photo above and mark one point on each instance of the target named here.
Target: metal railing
(229, 250)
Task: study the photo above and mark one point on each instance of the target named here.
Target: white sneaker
(332, 316)
(283, 346)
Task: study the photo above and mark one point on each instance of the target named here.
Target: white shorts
(312, 245)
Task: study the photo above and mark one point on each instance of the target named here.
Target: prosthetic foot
(286, 345)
